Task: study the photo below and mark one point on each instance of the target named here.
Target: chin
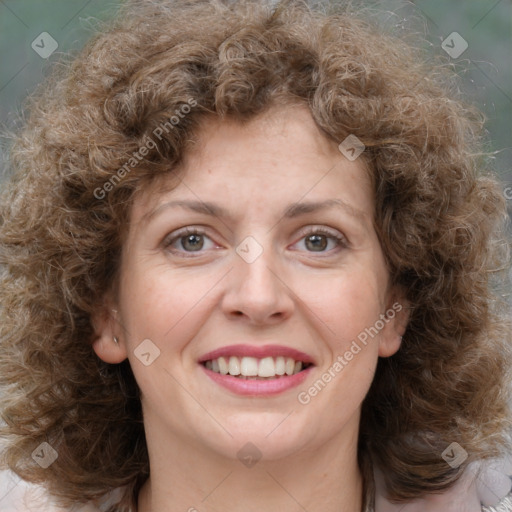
(264, 442)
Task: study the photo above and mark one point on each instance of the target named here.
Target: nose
(257, 292)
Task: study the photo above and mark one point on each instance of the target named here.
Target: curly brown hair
(63, 216)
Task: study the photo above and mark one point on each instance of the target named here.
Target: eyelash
(340, 240)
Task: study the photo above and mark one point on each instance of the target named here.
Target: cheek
(163, 306)
(347, 311)
(348, 304)
(168, 310)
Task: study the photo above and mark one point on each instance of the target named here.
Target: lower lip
(254, 387)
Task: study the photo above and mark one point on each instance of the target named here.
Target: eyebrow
(291, 211)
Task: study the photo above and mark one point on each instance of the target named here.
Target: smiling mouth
(252, 368)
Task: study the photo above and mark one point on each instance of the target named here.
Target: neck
(187, 478)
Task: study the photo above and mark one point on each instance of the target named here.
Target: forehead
(281, 148)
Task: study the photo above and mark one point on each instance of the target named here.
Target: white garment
(483, 488)
(16, 495)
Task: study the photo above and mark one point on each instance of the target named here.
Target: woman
(249, 262)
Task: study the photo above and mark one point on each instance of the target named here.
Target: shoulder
(494, 483)
(16, 495)
(484, 487)
(505, 505)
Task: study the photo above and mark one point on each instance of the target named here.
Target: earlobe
(109, 350)
(391, 338)
(108, 344)
(389, 346)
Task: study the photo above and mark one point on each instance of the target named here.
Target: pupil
(319, 242)
(195, 241)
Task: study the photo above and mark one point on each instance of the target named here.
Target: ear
(106, 325)
(396, 317)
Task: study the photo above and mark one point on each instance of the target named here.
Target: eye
(188, 240)
(319, 239)
(194, 240)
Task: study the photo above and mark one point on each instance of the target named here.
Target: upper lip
(258, 352)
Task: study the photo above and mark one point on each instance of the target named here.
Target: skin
(317, 300)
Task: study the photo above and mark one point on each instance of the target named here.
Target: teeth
(280, 365)
(268, 367)
(234, 365)
(289, 366)
(249, 367)
(223, 365)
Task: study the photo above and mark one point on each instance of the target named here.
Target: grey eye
(316, 242)
(194, 242)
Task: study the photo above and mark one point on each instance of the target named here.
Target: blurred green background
(485, 67)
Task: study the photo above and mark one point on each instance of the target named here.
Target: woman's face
(265, 249)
